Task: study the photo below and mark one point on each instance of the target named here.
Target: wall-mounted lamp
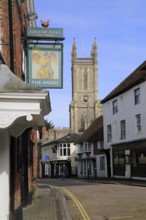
(68, 138)
(54, 149)
(31, 16)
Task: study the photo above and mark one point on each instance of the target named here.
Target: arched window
(85, 80)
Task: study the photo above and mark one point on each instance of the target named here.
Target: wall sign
(45, 32)
(46, 157)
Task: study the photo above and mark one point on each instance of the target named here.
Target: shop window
(142, 158)
(89, 167)
(119, 158)
(102, 163)
(81, 167)
(139, 158)
(85, 168)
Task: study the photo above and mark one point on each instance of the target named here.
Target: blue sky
(119, 27)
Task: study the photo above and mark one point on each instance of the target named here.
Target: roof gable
(94, 131)
(135, 78)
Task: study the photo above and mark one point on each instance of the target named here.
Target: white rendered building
(92, 158)
(57, 154)
(124, 111)
(21, 107)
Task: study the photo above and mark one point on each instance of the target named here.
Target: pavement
(50, 203)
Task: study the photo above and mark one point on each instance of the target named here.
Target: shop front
(86, 167)
(129, 160)
(22, 109)
(56, 169)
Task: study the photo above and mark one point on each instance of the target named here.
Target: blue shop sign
(46, 157)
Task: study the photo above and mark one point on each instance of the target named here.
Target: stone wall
(55, 133)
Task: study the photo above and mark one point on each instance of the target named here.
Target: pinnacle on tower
(74, 51)
(94, 50)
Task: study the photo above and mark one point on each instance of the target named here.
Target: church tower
(85, 106)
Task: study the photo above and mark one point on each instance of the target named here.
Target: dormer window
(87, 147)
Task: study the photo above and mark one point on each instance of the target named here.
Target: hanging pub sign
(45, 65)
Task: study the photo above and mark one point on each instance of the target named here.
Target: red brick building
(12, 26)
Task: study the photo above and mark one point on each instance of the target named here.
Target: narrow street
(95, 200)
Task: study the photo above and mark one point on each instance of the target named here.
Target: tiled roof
(94, 131)
(135, 78)
(72, 139)
(64, 139)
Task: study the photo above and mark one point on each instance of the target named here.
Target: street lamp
(68, 145)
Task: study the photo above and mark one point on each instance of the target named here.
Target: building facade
(93, 160)
(85, 105)
(22, 109)
(59, 157)
(14, 20)
(124, 113)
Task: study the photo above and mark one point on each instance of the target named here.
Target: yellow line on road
(78, 204)
(122, 217)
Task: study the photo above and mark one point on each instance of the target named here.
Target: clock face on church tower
(85, 98)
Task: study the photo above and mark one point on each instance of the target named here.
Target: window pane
(115, 106)
(60, 150)
(109, 133)
(86, 147)
(123, 129)
(137, 96)
(138, 123)
(68, 150)
(64, 152)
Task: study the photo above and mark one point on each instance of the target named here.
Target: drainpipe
(11, 46)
